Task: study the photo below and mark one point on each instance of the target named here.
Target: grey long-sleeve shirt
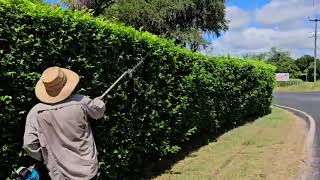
(61, 136)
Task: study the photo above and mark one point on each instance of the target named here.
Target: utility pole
(315, 47)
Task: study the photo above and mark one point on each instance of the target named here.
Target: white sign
(282, 76)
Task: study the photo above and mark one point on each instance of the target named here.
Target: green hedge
(175, 95)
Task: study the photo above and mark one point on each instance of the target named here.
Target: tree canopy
(283, 62)
(304, 62)
(184, 20)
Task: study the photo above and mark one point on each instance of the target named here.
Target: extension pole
(127, 72)
(115, 83)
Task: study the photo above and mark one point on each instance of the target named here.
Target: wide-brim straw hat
(56, 84)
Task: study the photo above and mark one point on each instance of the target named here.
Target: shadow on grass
(154, 169)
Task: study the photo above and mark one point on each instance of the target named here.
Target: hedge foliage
(175, 95)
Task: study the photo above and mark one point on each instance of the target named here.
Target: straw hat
(56, 84)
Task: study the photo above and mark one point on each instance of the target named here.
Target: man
(58, 131)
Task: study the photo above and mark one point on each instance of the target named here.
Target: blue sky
(247, 4)
(257, 25)
(51, 1)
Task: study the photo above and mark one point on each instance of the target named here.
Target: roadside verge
(308, 173)
(272, 147)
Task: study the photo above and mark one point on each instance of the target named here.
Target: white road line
(310, 139)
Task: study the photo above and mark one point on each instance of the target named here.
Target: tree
(97, 5)
(284, 63)
(288, 66)
(276, 55)
(310, 70)
(259, 56)
(304, 62)
(183, 20)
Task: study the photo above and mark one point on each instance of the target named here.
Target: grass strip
(272, 147)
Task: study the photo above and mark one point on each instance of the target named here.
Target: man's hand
(99, 97)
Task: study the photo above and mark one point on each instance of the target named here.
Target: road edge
(310, 139)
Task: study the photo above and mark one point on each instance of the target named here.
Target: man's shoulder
(80, 99)
(74, 99)
(33, 112)
(37, 107)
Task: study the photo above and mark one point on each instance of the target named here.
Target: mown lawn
(270, 148)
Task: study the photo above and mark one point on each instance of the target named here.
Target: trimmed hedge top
(175, 95)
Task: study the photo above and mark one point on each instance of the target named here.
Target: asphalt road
(309, 103)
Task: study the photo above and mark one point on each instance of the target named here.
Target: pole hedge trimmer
(127, 72)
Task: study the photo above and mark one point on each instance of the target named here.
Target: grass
(303, 87)
(269, 148)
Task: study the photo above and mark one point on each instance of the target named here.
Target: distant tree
(258, 56)
(304, 62)
(288, 66)
(284, 63)
(184, 20)
(98, 6)
(310, 70)
(276, 55)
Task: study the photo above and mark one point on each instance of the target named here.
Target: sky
(51, 1)
(257, 25)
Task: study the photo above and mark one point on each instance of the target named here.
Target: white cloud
(285, 11)
(238, 18)
(280, 23)
(254, 40)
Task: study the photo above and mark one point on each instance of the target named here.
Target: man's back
(64, 133)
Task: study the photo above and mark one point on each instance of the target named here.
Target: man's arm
(31, 142)
(95, 107)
